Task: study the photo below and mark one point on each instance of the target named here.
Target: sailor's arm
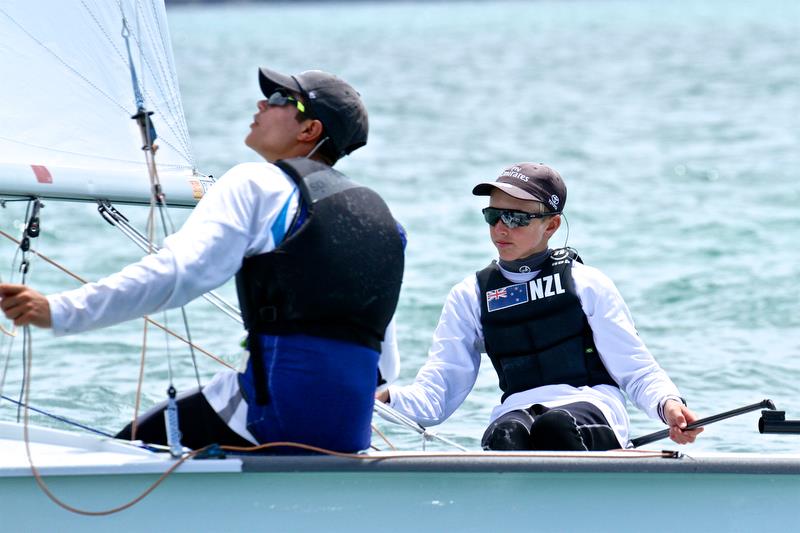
(626, 357)
(232, 220)
(451, 369)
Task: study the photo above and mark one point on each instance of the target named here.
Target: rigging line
(13, 338)
(148, 133)
(181, 136)
(176, 111)
(59, 418)
(159, 199)
(44, 487)
(388, 413)
(7, 361)
(134, 79)
(140, 382)
(10, 333)
(121, 223)
(165, 70)
(381, 435)
(211, 296)
(31, 213)
(169, 226)
(146, 318)
(191, 350)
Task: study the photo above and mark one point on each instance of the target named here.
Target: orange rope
(147, 318)
(40, 480)
(4, 331)
(381, 435)
(139, 384)
(638, 454)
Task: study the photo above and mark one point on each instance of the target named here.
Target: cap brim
(485, 189)
(271, 80)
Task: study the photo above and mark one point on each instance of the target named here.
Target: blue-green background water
(676, 126)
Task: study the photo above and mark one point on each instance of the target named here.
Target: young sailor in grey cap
(557, 332)
(318, 263)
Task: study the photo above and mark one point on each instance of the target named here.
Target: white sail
(68, 96)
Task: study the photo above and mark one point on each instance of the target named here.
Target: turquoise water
(675, 125)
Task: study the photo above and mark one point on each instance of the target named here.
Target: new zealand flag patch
(507, 297)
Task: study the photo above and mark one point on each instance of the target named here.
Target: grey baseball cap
(332, 101)
(529, 181)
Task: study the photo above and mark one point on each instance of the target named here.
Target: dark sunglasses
(280, 98)
(512, 219)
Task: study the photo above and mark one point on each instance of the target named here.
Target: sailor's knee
(506, 435)
(555, 430)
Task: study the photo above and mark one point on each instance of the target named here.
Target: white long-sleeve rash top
(454, 359)
(246, 211)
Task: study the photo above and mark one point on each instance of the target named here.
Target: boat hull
(412, 501)
(412, 491)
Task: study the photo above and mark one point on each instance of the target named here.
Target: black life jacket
(536, 333)
(338, 276)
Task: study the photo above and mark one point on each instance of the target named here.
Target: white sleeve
(232, 221)
(389, 362)
(623, 352)
(453, 361)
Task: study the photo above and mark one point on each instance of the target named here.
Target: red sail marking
(42, 174)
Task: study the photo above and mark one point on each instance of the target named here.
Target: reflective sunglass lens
(512, 219)
(277, 98)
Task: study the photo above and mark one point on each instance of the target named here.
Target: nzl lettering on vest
(518, 293)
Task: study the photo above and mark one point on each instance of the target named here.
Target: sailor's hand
(383, 396)
(678, 417)
(24, 306)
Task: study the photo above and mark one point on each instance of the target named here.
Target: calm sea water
(675, 124)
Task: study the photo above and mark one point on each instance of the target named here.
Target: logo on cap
(554, 201)
(515, 172)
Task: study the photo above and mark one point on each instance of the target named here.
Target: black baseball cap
(529, 181)
(332, 101)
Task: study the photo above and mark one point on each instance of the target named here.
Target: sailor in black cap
(318, 261)
(557, 332)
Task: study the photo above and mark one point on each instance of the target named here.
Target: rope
(618, 454)
(381, 435)
(139, 384)
(27, 347)
(58, 417)
(147, 318)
